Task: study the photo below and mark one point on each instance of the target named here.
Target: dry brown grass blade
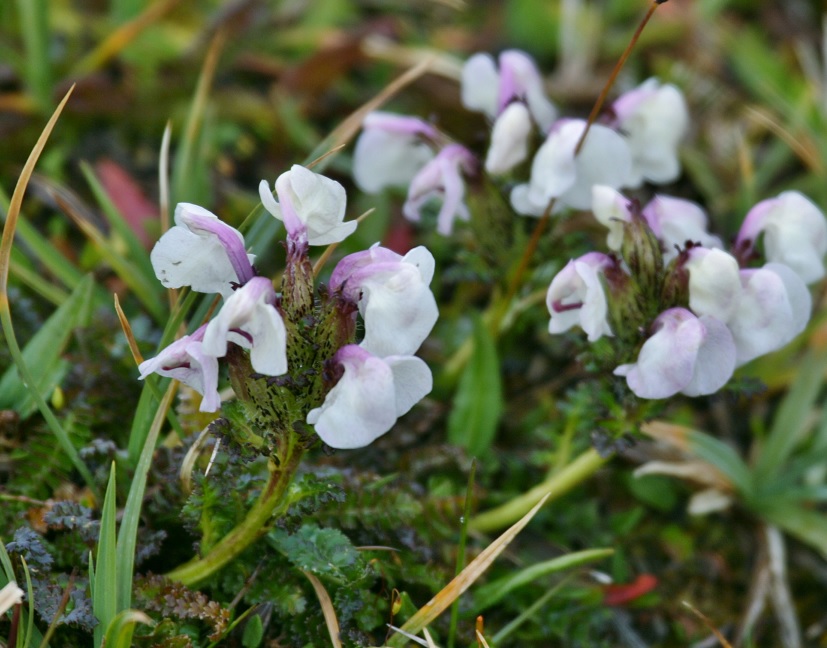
(804, 148)
(122, 36)
(187, 465)
(327, 609)
(670, 433)
(17, 201)
(437, 605)
(6, 242)
(127, 331)
(708, 624)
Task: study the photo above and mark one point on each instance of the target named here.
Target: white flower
(795, 233)
(611, 209)
(10, 596)
(688, 354)
(509, 139)
(390, 150)
(392, 295)
(442, 178)
(186, 360)
(370, 395)
(714, 283)
(576, 297)
(654, 119)
(249, 319)
(773, 308)
(310, 204)
(202, 252)
(675, 221)
(557, 173)
(489, 90)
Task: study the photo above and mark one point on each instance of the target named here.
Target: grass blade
(790, 422)
(128, 532)
(105, 591)
(44, 353)
(119, 632)
(34, 27)
(439, 603)
(5, 313)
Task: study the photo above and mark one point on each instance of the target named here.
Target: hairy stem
(253, 526)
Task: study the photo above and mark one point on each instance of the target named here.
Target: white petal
(386, 159)
(480, 84)
(768, 315)
(509, 139)
(714, 283)
(666, 362)
(412, 381)
(181, 258)
(611, 209)
(422, 258)
(399, 311)
(360, 408)
(715, 361)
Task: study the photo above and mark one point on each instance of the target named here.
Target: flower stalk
(270, 502)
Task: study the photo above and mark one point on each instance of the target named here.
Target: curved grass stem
(555, 485)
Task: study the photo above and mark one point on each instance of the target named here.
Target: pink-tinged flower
(676, 221)
(509, 139)
(490, 90)
(576, 297)
(557, 173)
(611, 209)
(393, 297)
(187, 361)
(310, 205)
(249, 319)
(513, 97)
(442, 178)
(201, 252)
(371, 394)
(654, 119)
(714, 283)
(391, 150)
(687, 354)
(795, 233)
(774, 307)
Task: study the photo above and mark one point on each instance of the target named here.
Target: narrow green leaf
(789, 426)
(43, 251)
(120, 630)
(43, 353)
(34, 27)
(478, 403)
(105, 591)
(128, 532)
(490, 593)
(723, 457)
(807, 525)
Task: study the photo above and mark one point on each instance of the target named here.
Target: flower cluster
(636, 141)
(704, 311)
(301, 363)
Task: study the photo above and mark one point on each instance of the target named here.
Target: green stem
(556, 484)
(250, 529)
